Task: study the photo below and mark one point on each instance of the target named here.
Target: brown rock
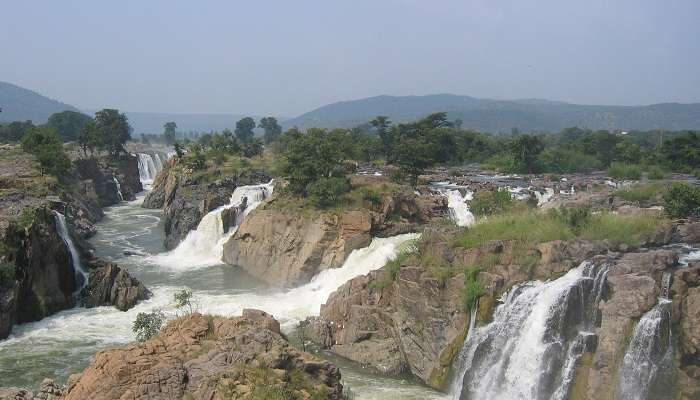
(111, 285)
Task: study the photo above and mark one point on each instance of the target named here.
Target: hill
(501, 115)
(19, 104)
(144, 122)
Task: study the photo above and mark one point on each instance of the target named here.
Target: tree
(113, 130)
(179, 150)
(244, 129)
(89, 138)
(272, 129)
(311, 156)
(682, 200)
(68, 124)
(46, 146)
(147, 325)
(525, 150)
(382, 123)
(683, 151)
(15, 131)
(169, 133)
(184, 301)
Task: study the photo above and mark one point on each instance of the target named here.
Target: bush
(455, 172)
(655, 172)
(325, 192)
(183, 301)
(641, 193)
(682, 200)
(563, 160)
(576, 218)
(371, 196)
(503, 162)
(491, 202)
(625, 171)
(7, 274)
(147, 325)
(629, 229)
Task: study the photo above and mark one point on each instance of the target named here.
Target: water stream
(64, 343)
(81, 277)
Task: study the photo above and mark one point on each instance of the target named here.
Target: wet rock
(201, 357)
(111, 285)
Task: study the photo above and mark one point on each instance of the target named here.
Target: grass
(642, 192)
(530, 227)
(473, 289)
(625, 171)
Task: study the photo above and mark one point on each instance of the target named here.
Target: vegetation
(625, 171)
(473, 289)
(68, 124)
(184, 301)
(642, 192)
(46, 146)
(682, 200)
(7, 274)
(491, 202)
(147, 325)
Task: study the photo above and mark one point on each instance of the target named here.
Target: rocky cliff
(287, 247)
(186, 197)
(112, 179)
(109, 285)
(414, 320)
(203, 357)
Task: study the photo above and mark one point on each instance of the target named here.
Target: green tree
(682, 200)
(244, 129)
(46, 146)
(272, 129)
(382, 124)
(147, 325)
(312, 155)
(525, 150)
(89, 138)
(170, 129)
(113, 129)
(68, 124)
(15, 131)
(682, 152)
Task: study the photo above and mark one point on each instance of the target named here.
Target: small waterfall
(458, 209)
(81, 277)
(537, 336)
(204, 246)
(456, 386)
(647, 370)
(543, 198)
(149, 166)
(119, 188)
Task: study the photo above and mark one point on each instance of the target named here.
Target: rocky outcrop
(110, 285)
(212, 358)
(112, 179)
(186, 198)
(289, 249)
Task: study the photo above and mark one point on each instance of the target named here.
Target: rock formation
(110, 285)
(212, 358)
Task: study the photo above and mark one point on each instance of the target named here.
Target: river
(64, 343)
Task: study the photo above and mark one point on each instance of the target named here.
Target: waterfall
(149, 166)
(204, 246)
(537, 336)
(543, 198)
(458, 209)
(647, 370)
(455, 390)
(119, 188)
(81, 277)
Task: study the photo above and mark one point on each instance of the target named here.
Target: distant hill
(501, 115)
(19, 104)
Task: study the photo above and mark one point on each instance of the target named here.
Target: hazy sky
(289, 56)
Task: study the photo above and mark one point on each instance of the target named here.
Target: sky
(286, 57)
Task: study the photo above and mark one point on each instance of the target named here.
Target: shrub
(372, 196)
(629, 229)
(325, 192)
(7, 274)
(576, 218)
(147, 325)
(655, 172)
(503, 162)
(491, 202)
(472, 288)
(184, 300)
(558, 159)
(696, 173)
(682, 200)
(455, 172)
(625, 171)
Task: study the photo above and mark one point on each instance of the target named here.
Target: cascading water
(149, 166)
(81, 277)
(647, 370)
(204, 246)
(119, 188)
(538, 334)
(458, 209)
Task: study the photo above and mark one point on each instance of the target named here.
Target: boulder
(202, 357)
(111, 285)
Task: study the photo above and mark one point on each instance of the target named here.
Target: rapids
(64, 343)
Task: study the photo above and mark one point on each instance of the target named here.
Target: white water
(119, 188)
(649, 357)
(149, 166)
(458, 208)
(543, 198)
(529, 350)
(455, 390)
(81, 277)
(204, 246)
